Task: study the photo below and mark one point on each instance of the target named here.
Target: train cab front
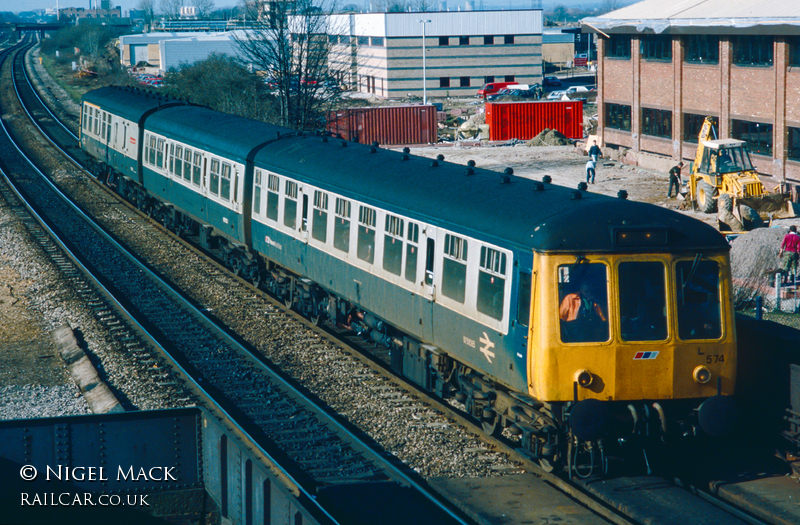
(635, 347)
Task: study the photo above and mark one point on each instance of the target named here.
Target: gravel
(35, 401)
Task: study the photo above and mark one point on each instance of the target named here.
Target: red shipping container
(389, 125)
(525, 120)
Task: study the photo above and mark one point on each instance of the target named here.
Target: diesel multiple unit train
(572, 319)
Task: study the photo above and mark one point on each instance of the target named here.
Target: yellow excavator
(723, 177)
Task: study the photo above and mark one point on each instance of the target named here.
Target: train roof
(129, 103)
(486, 204)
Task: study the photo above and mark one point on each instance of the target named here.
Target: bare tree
(204, 7)
(607, 6)
(422, 5)
(149, 9)
(294, 44)
(171, 9)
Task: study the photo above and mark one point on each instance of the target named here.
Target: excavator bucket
(771, 205)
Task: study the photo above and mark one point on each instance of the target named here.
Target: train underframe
(577, 435)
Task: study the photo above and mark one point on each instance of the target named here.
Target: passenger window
(97, 121)
(213, 186)
(524, 300)
(187, 164)
(225, 182)
(454, 268)
(319, 227)
(85, 119)
(583, 302)
(160, 153)
(699, 313)
(152, 156)
(197, 171)
(171, 159)
(393, 245)
(341, 228)
(642, 301)
(412, 249)
(290, 205)
(178, 171)
(257, 194)
(273, 189)
(366, 234)
(108, 127)
(491, 283)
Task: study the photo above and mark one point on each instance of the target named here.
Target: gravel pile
(35, 401)
(549, 137)
(754, 257)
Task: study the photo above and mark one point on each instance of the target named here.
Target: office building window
(702, 49)
(619, 46)
(618, 116)
(752, 50)
(794, 50)
(464, 81)
(657, 122)
(691, 126)
(757, 135)
(794, 143)
(463, 40)
(508, 39)
(487, 80)
(444, 81)
(509, 78)
(488, 40)
(444, 40)
(656, 47)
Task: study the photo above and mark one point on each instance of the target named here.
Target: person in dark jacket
(675, 180)
(595, 152)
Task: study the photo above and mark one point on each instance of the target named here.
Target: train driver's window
(642, 301)
(583, 302)
(699, 315)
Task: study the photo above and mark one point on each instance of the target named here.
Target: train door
(429, 277)
(304, 219)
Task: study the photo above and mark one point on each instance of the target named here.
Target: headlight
(584, 378)
(701, 375)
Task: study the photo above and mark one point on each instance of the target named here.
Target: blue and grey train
(571, 318)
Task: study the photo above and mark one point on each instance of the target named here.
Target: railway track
(321, 353)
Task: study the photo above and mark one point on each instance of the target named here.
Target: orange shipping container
(525, 120)
(386, 124)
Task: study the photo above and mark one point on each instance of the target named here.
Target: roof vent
(470, 171)
(508, 171)
(538, 186)
(434, 163)
(406, 150)
(622, 194)
(547, 179)
(373, 149)
(440, 157)
(576, 195)
(471, 163)
(375, 144)
(404, 157)
(505, 179)
(582, 186)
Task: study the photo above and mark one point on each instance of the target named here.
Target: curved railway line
(219, 324)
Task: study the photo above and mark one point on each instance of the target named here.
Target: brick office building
(665, 66)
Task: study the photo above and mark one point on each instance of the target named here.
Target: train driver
(582, 315)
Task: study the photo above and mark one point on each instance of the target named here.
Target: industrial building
(665, 66)
(170, 50)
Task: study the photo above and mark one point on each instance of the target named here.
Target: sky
(28, 5)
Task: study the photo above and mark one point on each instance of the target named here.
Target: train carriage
(568, 316)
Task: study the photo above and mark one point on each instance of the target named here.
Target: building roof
(555, 36)
(701, 16)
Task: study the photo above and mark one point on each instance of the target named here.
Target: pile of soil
(549, 137)
(754, 258)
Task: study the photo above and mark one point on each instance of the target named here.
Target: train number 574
(715, 358)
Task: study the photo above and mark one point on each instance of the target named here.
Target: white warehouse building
(170, 50)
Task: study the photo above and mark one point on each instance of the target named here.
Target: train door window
(698, 299)
(178, 161)
(412, 248)
(341, 228)
(583, 302)
(108, 127)
(160, 153)
(86, 118)
(642, 301)
(197, 169)
(124, 136)
(491, 283)
(366, 234)
(257, 193)
(304, 219)
(273, 195)
(290, 205)
(102, 124)
(96, 121)
(171, 159)
(319, 226)
(430, 257)
(116, 134)
(393, 245)
(225, 182)
(187, 164)
(151, 150)
(213, 185)
(454, 268)
(524, 300)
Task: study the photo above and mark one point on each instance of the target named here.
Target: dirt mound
(549, 137)
(753, 257)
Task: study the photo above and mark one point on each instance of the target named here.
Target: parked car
(551, 82)
(493, 87)
(556, 95)
(512, 92)
(577, 89)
